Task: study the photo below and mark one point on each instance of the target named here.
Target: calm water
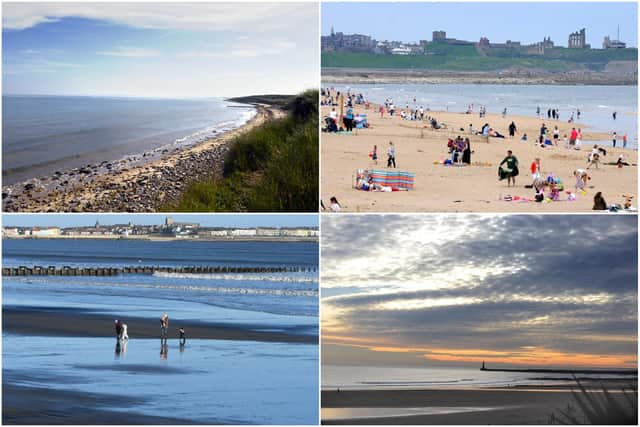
(596, 103)
(372, 377)
(272, 299)
(210, 381)
(44, 134)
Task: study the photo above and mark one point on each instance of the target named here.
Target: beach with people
(454, 156)
(147, 182)
(160, 347)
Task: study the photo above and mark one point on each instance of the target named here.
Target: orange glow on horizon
(526, 356)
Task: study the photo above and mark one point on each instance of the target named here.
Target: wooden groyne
(115, 271)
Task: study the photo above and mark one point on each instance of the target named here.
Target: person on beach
(391, 153)
(573, 137)
(348, 120)
(615, 114)
(334, 206)
(624, 141)
(334, 115)
(511, 171)
(381, 111)
(524, 137)
(594, 157)
(565, 140)
(578, 113)
(549, 114)
(538, 111)
(374, 154)
(578, 139)
(615, 138)
(183, 337)
(535, 168)
(582, 177)
(466, 153)
(119, 329)
(164, 326)
(556, 135)
(599, 203)
(512, 129)
(504, 112)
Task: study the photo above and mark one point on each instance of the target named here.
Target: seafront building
(170, 229)
(341, 42)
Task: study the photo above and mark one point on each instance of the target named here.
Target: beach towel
(388, 178)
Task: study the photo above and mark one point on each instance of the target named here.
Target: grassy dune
(271, 168)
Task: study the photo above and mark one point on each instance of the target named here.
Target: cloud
(242, 47)
(256, 17)
(131, 52)
(478, 281)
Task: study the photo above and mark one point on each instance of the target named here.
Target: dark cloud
(552, 280)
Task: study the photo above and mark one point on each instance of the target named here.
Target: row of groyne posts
(115, 271)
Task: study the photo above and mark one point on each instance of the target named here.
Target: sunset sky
(443, 290)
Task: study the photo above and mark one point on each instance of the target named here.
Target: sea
(377, 377)
(209, 381)
(596, 103)
(44, 134)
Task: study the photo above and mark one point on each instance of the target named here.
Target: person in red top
(573, 137)
(535, 168)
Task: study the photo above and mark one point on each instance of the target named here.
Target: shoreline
(145, 187)
(334, 75)
(488, 406)
(70, 322)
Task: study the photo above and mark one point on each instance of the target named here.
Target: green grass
(442, 57)
(268, 169)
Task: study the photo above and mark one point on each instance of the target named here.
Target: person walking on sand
(164, 326)
(615, 137)
(512, 129)
(556, 135)
(615, 114)
(511, 170)
(624, 141)
(374, 154)
(391, 152)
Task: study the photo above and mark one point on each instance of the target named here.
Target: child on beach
(374, 154)
(335, 206)
(581, 179)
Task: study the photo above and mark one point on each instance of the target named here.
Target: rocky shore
(118, 187)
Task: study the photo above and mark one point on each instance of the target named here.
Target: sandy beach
(476, 406)
(472, 188)
(51, 321)
(132, 184)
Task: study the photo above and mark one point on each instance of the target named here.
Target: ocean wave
(195, 288)
(244, 277)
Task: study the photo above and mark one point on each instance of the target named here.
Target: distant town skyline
(218, 220)
(159, 50)
(412, 22)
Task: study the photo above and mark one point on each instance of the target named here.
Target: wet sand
(50, 321)
(472, 188)
(133, 184)
(499, 406)
(36, 405)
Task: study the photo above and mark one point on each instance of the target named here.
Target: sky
(165, 50)
(217, 220)
(456, 290)
(526, 22)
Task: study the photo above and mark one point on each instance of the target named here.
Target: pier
(631, 372)
(115, 271)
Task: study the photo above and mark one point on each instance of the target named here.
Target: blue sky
(159, 49)
(519, 21)
(217, 220)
